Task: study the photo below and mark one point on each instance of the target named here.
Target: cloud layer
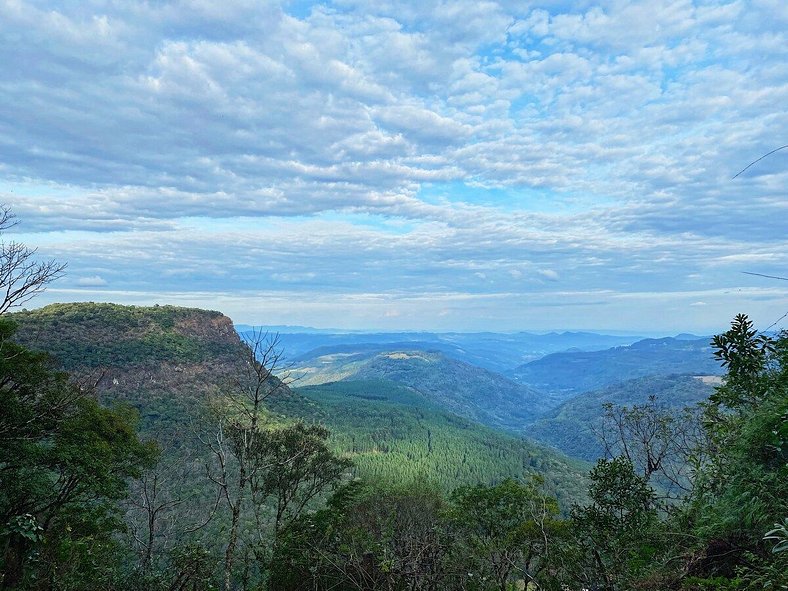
(442, 165)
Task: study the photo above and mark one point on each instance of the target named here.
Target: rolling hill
(564, 375)
(461, 388)
(570, 427)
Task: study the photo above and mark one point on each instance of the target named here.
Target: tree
(255, 461)
(235, 445)
(300, 467)
(746, 354)
(64, 465)
(159, 514)
(613, 530)
(367, 537)
(665, 446)
(64, 459)
(502, 531)
(21, 275)
(741, 491)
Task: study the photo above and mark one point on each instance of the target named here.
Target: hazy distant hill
(569, 427)
(462, 388)
(498, 352)
(564, 375)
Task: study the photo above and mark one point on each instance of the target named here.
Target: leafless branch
(22, 276)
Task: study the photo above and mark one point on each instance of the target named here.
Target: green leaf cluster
(64, 465)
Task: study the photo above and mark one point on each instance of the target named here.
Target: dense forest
(106, 482)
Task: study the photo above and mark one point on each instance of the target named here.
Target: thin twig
(775, 322)
(767, 276)
(759, 159)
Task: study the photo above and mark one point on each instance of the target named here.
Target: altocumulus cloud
(288, 161)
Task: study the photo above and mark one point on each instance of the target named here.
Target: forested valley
(152, 448)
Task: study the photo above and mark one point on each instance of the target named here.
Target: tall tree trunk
(229, 555)
(13, 562)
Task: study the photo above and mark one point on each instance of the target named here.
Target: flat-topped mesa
(151, 357)
(88, 335)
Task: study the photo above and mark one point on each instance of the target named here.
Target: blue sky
(463, 165)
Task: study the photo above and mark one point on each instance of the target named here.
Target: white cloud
(548, 274)
(599, 141)
(93, 281)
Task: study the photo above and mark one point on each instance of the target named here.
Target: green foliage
(501, 533)
(411, 537)
(369, 537)
(744, 488)
(779, 535)
(616, 532)
(393, 433)
(299, 467)
(191, 569)
(745, 354)
(64, 464)
(710, 584)
(89, 335)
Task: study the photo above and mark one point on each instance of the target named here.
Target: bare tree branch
(22, 276)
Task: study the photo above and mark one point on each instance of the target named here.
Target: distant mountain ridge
(498, 352)
(566, 374)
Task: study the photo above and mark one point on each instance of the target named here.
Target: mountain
(498, 352)
(564, 375)
(166, 361)
(570, 427)
(461, 388)
(159, 359)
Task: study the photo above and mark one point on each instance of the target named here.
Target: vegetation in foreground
(286, 517)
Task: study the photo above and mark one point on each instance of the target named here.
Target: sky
(454, 165)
